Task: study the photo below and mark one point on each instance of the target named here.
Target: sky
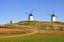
(15, 10)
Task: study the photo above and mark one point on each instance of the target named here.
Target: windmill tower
(30, 16)
(53, 17)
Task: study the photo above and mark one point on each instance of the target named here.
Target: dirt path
(35, 31)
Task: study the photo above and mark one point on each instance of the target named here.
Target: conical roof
(52, 15)
(30, 14)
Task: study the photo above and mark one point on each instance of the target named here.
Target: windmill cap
(53, 15)
(30, 14)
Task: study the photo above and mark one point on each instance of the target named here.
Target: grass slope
(35, 38)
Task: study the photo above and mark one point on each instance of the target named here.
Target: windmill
(30, 16)
(53, 17)
(11, 22)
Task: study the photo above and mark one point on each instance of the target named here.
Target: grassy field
(48, 32)
(35, 38)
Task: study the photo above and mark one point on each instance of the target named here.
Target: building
(30, 17)
(53, 18)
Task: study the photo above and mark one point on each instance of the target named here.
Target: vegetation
(26, 25)
(35, 38)
(48, 31)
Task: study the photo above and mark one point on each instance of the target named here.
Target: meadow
(34, 38)
(40, 32)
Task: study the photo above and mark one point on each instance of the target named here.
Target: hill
(29, 26)
(37, 25)
(43, 25)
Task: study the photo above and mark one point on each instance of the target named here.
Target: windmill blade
(53, 11)
(56, 16)
(27, 13)
(33, 16)
(26, 16)
(30, 11)
(49, 14)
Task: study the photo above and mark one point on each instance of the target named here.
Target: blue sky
(15, 10)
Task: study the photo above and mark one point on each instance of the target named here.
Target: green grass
(35, 38)
(1, 35)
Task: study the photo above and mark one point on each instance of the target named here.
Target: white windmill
(53, 17)
(30, 16)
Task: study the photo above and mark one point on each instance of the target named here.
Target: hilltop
(36, 25)
(29, 26)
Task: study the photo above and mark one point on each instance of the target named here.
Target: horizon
(14, 10)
